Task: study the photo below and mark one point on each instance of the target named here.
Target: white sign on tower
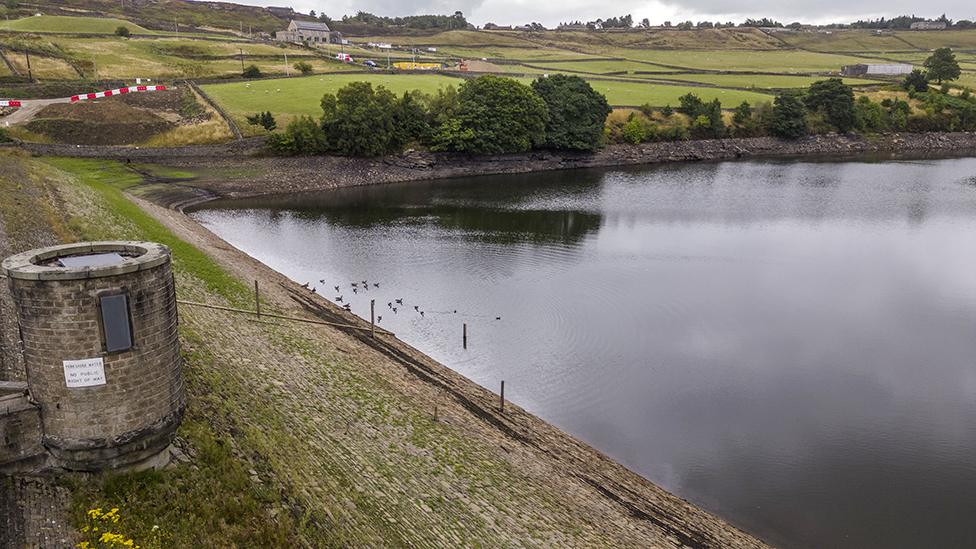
(87, 372)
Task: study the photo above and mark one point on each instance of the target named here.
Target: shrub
(577, 112)
(251, 71)
(667, 111)
(744, 123)
(869, 116)
(122, 31)
(302, 136)
(495, 115)
(263, 119)
(303, 67)
(637, 130)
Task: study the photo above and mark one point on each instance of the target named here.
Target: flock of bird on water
(364, 285)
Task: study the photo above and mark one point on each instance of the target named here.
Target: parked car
(370, 63)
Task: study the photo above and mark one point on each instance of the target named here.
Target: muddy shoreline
(239, 170)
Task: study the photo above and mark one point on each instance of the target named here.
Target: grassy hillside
(55, 56)
(161, 14)
(65, 24)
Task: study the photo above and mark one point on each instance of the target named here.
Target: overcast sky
(551, 12)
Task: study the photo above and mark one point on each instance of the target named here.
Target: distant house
(308, 31)
(929, 25)
(877, 69)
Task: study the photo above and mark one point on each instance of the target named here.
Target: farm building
(929, 25)
(308, 31)
(877, 69)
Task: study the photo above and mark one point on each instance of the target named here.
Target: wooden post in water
(501, 397)
(372, 318)
(257, 299)
(464, 336)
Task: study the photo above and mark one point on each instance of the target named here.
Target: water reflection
(789, 344)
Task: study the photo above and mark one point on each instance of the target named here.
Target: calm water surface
(789, 344)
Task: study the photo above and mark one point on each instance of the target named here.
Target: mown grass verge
(108, 180)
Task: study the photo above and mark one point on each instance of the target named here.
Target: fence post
(372, 318)
(501, 397)
(257, 299)
(464, 337)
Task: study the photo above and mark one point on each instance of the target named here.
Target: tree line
(486, 115)
(497, 115)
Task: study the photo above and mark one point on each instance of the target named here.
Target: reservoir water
(789, 344)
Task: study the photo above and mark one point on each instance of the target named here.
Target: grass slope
(66, 24)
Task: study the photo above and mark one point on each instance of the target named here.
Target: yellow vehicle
(412, 66)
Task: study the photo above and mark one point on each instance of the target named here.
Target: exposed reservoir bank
(787, 344)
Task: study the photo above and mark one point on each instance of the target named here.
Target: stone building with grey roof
(310, 32)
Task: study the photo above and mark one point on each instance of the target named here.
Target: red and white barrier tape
(119, 91)
(10, 103)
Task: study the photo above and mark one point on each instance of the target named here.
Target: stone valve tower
(104, 390)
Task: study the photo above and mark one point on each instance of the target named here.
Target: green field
(599, 67)
(290, 97)
(757, 81)
(524, 54)
(856, 40)
(929, 40)
(788, 62)
(638, 93)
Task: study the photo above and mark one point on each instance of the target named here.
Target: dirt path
(29, 110)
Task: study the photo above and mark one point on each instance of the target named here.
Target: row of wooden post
(372, 333)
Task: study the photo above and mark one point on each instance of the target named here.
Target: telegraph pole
(30, 76)
(242, 61)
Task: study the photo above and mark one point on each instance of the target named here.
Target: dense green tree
(691, 105)
(916, 80)
(122, 31)
(252, 71)
(303, 67)
(942, 65)
(495, 115)
(834, 100)
(788, 117)
(411, 120)
(361, 121)
(577, 112)
(302, 136)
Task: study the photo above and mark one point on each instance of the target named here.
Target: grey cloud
(821, 10)
(551, 13)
